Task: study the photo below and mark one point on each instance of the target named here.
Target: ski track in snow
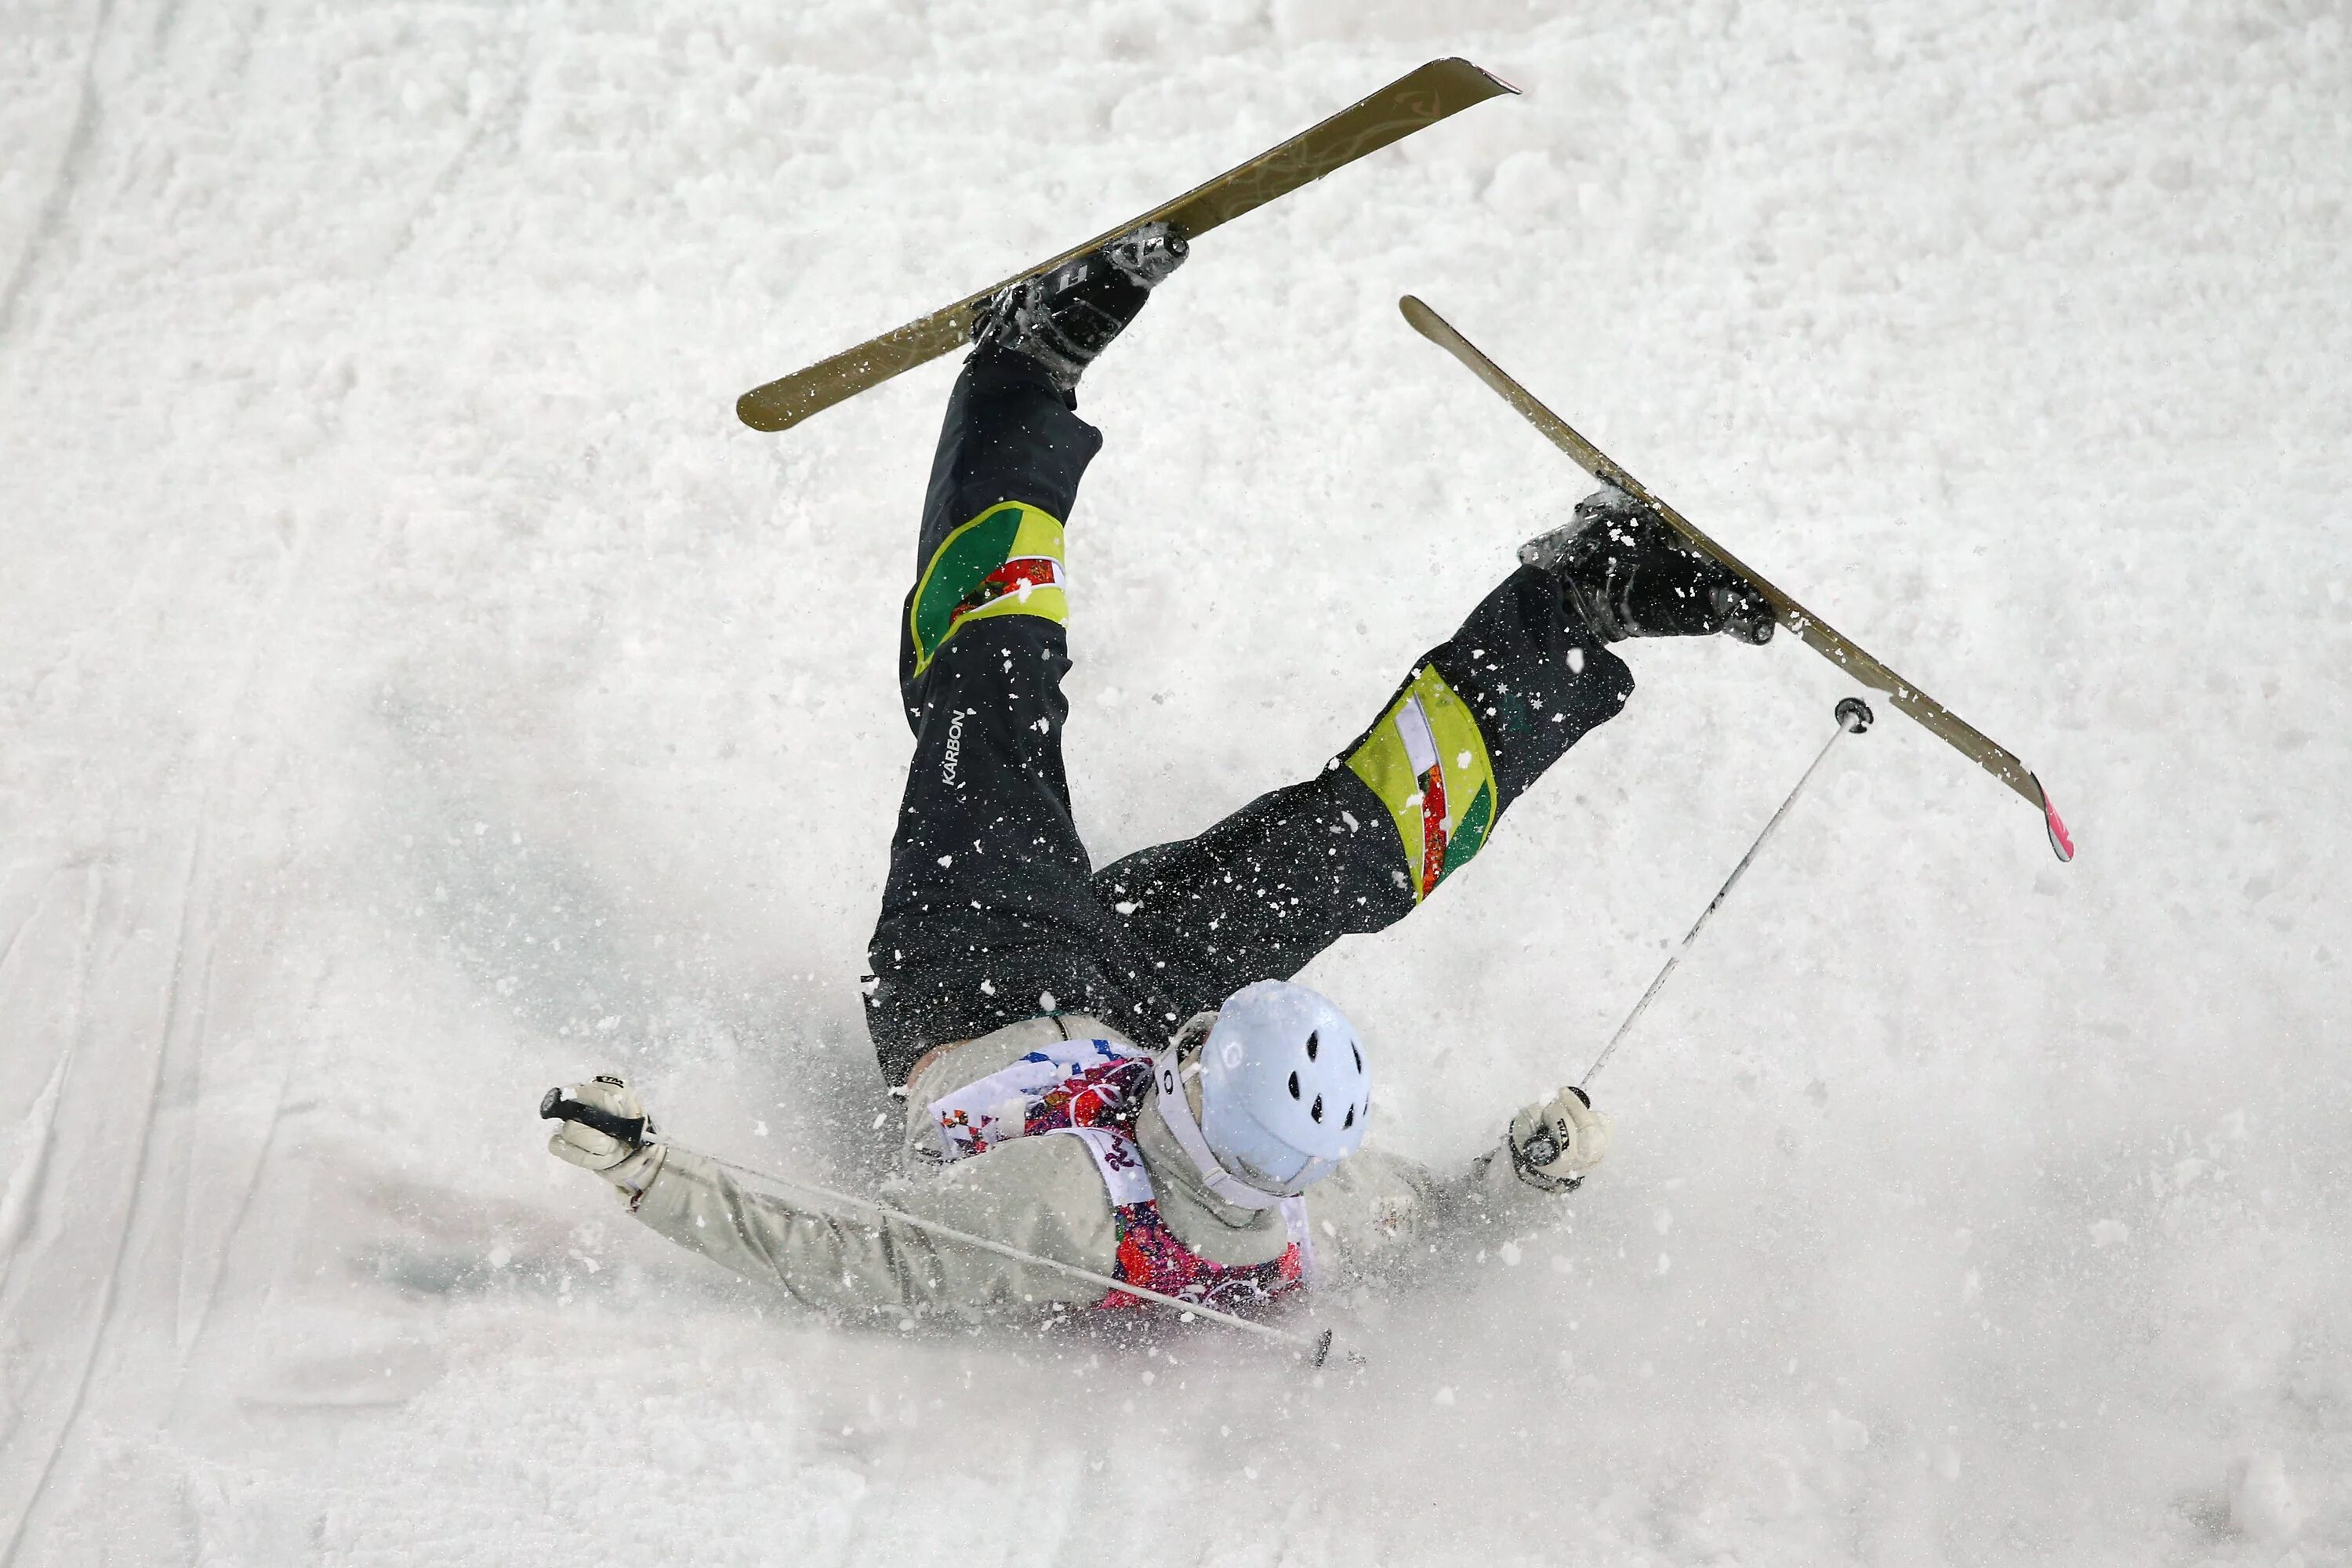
(49, 213)
(415, 690)
(141, 1052)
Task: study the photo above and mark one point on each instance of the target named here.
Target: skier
(1111, 1068)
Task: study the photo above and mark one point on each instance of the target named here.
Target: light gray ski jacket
(1044, 1195)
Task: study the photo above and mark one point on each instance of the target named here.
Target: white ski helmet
(1285, 1094)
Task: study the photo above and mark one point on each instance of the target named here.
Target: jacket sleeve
(1379, 1214)
(1040, 1194)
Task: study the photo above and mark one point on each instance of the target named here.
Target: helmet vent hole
(1313, 1042)
(1294, 1086)
(1360, 1056)
(1314, 1111)
(1352, 1119)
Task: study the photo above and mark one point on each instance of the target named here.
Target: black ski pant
(993, 911)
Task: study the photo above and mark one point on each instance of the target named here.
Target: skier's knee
(1005, 562)
(1428, 762)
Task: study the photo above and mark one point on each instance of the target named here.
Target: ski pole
(557, 1106)
(1854, 717)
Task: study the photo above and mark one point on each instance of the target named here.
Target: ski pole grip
(557, 1106)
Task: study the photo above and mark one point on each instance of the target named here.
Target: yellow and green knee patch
(1427, 762)
(1005, 562)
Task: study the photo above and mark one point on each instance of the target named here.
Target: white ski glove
(630, 1166)
(1553, 1145)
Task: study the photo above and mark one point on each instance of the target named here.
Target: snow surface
(416, 690)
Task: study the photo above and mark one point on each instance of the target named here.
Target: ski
(1816, 632)
(1419, 97)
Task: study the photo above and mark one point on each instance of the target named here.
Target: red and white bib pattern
(1090, 1091)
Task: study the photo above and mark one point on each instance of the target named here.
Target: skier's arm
(1041, 1196)
(1379, 1212)
(1038, 1195)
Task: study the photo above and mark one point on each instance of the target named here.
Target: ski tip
(1502, 82)
(2061, 843)
(764, 411)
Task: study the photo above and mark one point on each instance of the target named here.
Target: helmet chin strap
(1176, 1110)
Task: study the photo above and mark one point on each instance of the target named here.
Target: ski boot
(1631, 576)
(1063, 317)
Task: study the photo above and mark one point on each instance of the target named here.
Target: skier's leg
(986, 916)
(1360, 844)
(1357, 846)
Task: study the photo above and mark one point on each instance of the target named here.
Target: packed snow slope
(415, 690)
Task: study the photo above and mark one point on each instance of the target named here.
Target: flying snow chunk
(1847, 1436)
(2262, 1500)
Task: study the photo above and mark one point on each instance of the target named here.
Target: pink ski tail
(2061, 843)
